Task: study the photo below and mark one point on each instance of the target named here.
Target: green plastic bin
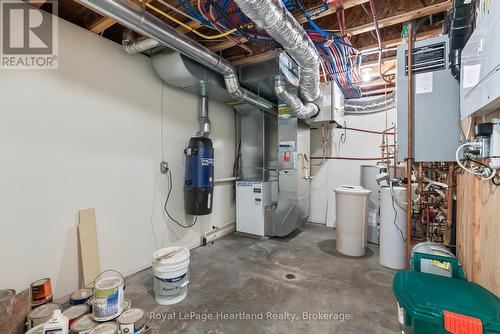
(431, 300)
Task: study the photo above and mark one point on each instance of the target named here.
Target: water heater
(199, 176)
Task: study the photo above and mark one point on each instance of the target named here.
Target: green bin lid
(425, 297)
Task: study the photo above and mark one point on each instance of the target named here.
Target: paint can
(36, 330)
(132, 321)
(127, 304)
(171, 274)
(80, 296)
(74, 312)
(108, 296)
(105, 328)
(41, 292)
(83, 324)
(41, 314)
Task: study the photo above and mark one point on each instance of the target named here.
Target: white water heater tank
(392, 253)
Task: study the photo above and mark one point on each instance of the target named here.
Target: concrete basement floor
(241, 274)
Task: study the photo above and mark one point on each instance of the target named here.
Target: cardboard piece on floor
(89, 251)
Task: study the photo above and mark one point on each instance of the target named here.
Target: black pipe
(459, 26)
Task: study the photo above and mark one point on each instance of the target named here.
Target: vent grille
(428, 58)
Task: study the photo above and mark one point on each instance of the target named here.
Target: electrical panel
(436, 135)
(480, 66)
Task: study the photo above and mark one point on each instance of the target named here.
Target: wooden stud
(102, 24)
(401, 18)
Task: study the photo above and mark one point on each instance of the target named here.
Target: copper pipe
(410, 145)
(449, 192)
(421, 189)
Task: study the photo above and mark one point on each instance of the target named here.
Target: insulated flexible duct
(370, 104)
(135, 18)
(276, 20)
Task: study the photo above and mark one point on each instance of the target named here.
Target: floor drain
(289, 276)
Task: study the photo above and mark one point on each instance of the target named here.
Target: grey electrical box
(436, 97)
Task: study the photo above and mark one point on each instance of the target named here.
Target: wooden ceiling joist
(401, 18)
(345, 4)
(102, 24)
(396, 41)
(422, 12)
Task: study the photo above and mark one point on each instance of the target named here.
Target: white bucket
(171, 275)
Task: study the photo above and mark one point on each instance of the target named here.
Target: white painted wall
(333, 173)
(88, 136)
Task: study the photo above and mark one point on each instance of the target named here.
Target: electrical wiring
(178, 11)
(485, 172)
(165, 205)
(159, 11)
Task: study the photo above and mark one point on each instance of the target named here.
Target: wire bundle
(339, 59)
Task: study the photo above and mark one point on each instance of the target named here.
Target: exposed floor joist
(401, 18)
(405, 17)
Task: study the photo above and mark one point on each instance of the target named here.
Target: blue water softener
(199, 176)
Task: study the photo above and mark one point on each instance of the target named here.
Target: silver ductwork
(205, 125)
(140, 46)
(276, 20)
(301, 110)
(370, 104)
(134, 17)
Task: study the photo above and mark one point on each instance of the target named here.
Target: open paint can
(74, 312)
(41, 314)
(132, 321)
(83, 325)
(41, 292)
(108, 296)
(105, 328)
(80, 296)
(36, 330)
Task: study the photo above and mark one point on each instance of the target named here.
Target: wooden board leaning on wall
(478, 226)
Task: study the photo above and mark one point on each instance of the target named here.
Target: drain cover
(289, 276)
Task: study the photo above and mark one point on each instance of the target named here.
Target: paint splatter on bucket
(171, 274)
(41, 314)
(41, 292)
(83, 324)
(74, 312)
(108, 296)
(132, 321)
(105, 328)
(80, 296)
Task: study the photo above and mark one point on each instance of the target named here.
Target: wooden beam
(255, 58)
(346, 4)
(396, 41)
(437, 8)
(401, 18)
(102, 24)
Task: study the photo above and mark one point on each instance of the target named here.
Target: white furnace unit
(254, 199)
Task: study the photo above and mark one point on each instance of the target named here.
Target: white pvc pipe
(226, 179)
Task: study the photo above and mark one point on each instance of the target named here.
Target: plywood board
(478, 230)
(89, 250)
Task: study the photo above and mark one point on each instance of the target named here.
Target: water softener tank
(199, 179)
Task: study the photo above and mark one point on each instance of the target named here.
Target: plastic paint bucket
(7, 302)
(41, 314)
(105, 328)
(83, 324)
(80, 296)
(41, 292)
(108, 296)
(74, 312)
(36, 330)
(132, 321)
(171, 275)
